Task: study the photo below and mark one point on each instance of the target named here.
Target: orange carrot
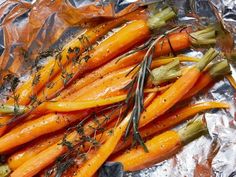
(138, 31)
(231, 80)
(35, 128)
(215, 71)
(33, 148)
(46, 157)
(170, 120)
(176, 91)
(161, 147)
(177, 41)
(105, 87)
(52, 122)
(165, 101)
(114, 65)
(53, 66)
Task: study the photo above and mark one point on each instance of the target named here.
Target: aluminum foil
(30, 27)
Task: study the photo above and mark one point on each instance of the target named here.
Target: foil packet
(31, 27)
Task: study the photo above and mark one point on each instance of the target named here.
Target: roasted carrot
(209, 76)
(96, 160)
(49, 155)
(231, 80)
(50, 69)
(166, 100)
(67, 106)
(74, 48)
(49, 123)
(33, 148)
(176, 42)
(161, 147)
(100, 120)
(52, 122)
(35, 128)
(176, 91)
(170, 120)
(111, 47)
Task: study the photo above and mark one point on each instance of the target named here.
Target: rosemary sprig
(135, 88)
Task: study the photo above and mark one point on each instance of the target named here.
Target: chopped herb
(66, 143)
(110, 132)
(36, 79)
(66, 77)
(14, 83)
(86, 58)
(33, 99)
(50, 85)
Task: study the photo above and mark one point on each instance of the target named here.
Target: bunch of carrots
(113, 100)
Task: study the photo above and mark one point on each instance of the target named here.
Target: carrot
(33, 148)
(110, 85)
(67, 106)
(100, 121)
(46, 157)
(35, 128)
(209, 76)
(164, 101)
(176, 42)
(161, 147)
(231, 81)
(96, 160)
(170, 120)
(162, 61)
(112, 66)
(176, 91)
(49, 123)
(51, 69)
(52, 122)
(138, 31)
(28, 89)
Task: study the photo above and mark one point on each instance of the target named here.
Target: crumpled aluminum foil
(27, 28)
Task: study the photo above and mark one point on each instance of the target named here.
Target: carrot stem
(10, 109)
(219, 69)
(203, 37)
(193, 130)
(166, 72)
(4, 170)
(158, 20)
(207, 58)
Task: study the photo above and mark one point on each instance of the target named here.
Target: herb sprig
(135, 88)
